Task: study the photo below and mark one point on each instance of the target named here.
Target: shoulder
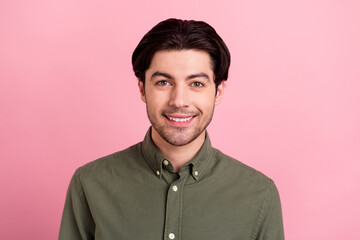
(114, 162)
(238, 172)
(246, 180)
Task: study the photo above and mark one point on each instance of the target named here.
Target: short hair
(177, 34)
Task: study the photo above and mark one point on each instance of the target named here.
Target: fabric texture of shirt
(135, 194)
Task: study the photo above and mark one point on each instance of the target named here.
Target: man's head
(176, 34)
(181, 67)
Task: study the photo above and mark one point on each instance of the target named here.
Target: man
(174, 185)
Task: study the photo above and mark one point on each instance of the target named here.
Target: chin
(179, 138)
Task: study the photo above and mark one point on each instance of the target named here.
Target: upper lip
(179, 116)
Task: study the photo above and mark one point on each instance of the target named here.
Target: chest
(144, 210)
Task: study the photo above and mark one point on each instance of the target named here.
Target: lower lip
(180, 124)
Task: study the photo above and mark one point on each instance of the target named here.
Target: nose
(179, 97)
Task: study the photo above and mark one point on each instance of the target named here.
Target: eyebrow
(168, 76)
(161, 74)
(199, 75)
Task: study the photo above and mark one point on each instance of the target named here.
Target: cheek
(206, 101)
(155, 101)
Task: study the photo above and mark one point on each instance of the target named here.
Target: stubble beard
(179, 136)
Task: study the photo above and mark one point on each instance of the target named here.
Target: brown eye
(162, 83)
(197, 84)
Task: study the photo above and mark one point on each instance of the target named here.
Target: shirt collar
(196, 166)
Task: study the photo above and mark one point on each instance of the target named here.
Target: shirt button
(174, 188)
(171, 236)
(158, 173)
(166, 162)
(196, 173)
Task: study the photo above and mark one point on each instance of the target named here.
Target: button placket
(173, 209)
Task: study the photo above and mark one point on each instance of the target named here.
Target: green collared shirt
(135, 194)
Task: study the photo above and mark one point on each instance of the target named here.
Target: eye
(197, 84)
(163, 83)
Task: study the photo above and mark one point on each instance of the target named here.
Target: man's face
(180, 94)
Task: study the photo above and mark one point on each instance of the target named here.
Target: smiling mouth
(180, 119)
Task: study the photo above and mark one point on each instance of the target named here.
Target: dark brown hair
(177, 34)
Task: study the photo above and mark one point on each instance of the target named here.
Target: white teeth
(180, 119)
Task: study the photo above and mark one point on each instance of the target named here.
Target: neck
(177, 155)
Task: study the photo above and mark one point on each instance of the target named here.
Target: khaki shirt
(135, 194)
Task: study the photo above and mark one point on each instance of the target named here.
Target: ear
(219, 92)
(142, 90)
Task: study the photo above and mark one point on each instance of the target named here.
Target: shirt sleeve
(270, 221)
(77, 222)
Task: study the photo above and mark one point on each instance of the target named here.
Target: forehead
(181, 62)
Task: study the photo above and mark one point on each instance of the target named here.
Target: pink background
(291, 107)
